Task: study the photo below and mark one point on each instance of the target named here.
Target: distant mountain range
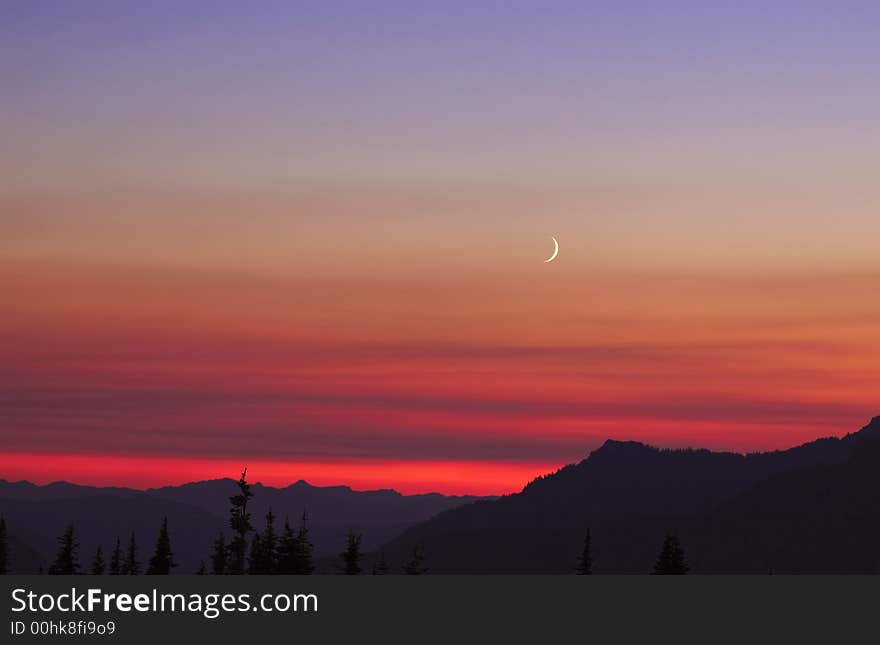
(814, 508)
(37, 515)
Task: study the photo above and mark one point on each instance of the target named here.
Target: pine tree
(416, 565)
(351, 557)
(202, 570)
(287, 550)
(380, 566)
(304, 561)
(219, 555)
(4, 548)
(671, 560)
(264, 554)
(67, 560)
(116, 559)
(240, 523)
(585, 562)
(131, 566)
(295, 550)
(264, 549)
(255, 557)
(98, 563)
(163, 559)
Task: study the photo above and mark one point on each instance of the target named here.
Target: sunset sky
(308, 237)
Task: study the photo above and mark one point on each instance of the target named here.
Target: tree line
(670, 560)
(268, 552)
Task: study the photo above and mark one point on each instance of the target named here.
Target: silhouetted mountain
(820, 519)
(26, 491)
(333, 510)
(810, 508)
(36, 515)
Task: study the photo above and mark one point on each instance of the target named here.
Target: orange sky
(371, 379)
(312, 242)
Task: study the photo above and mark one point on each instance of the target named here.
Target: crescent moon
(555, 251)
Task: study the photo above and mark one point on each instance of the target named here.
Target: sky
(308, 237)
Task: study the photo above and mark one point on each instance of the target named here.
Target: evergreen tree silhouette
(671, 559)
(202, 570)
(416, 564)
(351, 557)
(116, 559)
(98, 563)
(4, 548)
(130, 565)
(219, 555)
(240, 523)
(163, 559)
(295, 550)
(286, 550)
(304, 563)
(67, 560)
(270, 544)
(256, 555)
(264, 551)
(380, 566)
(585, 562)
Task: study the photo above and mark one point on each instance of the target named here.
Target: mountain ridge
(629, 494)
(197, 511)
